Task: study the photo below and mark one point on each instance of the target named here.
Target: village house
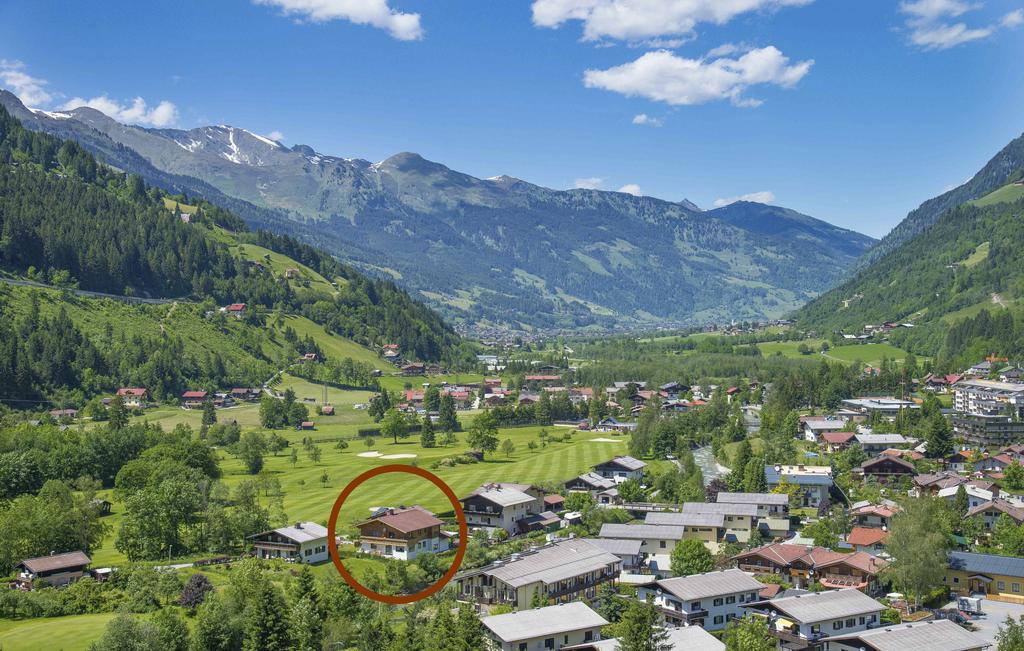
(327, 410)
(836, 441)
(996, 463)
(133, 397)
(739, 520)
(772, 509)
(941, 383)
(804, 621)
(562, 571)
(236, 310)
(876, 443)
(245, 394)
(870, 540)
(303, 542)
(655, 540)
(590, 482)
(541, 629)
(55, 570)
(613, 425)
(194, 399)
(543, 380)
(628, 551)
(932, 483)
(708, 526)
(620, 469)
(976, 496)
(502, 506)
(803, 566)
(935, 635)
(887, 408)
(991, 510)
(415, 368)
(64, 413)
(816, 426)
(402, 533)
(709, 601)
(814, 482)
(999, 578)
(876, 516)
(885, 469)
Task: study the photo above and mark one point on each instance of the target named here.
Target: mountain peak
(408, 161)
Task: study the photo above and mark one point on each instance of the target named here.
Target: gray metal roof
(686, 519)
(711, 584)
(595, 480)
(754, 498)
(937, 635)
(617, 546)
(687, 638)
(627, 462)
(300, 532)
(543, 622)
(880, 439)
(560, 560)
(987, 563)
(822, 606)
(725, 508)
(795, 475)
(503, 496)
(642, 531)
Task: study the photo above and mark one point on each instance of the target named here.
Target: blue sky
(850, 111)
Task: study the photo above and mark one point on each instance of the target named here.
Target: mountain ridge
(492, 251)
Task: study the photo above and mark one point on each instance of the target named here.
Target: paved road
(995, 613)
(88, 294)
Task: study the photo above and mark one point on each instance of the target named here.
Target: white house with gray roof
(814, 482)
(877, 443)
(689, 638)
(563, 571)
(772, 509)
(708, 527)
(739, 520)
(541, 629)
(590, 482)
(302, 542)
(655, 539)
(621, 468)
(502, 505)
(628, 551)
(708, 600)
(936, 635)
(805, 620)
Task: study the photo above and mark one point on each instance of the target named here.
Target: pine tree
(266, 620)
(468, 629)
(427, 437)
(754, 480)
(214, 628)
(446, 414)
(306, 625)
(209, 413)
(639, 629)
(939, 437)
(118, 414)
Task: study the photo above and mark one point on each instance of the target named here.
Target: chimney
(298, 525)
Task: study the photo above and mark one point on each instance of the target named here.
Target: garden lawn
(67, 633)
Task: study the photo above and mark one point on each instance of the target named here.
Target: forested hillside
(960, 283)
(68, 221)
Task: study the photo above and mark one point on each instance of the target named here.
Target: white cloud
(276, 135)
(377, 13)
(1013, 19)
(665, 77)
(588, 183)
(138, 112)
(637, 20)
(30, 90)
(757, 197)
(631, 188)
(932, 27)
(646, 120)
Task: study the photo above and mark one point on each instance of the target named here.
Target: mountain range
(497, 251)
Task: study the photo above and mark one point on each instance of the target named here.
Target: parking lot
(995, 613)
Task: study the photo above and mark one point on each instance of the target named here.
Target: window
(662, 543)
(522, 646)
(549, 643)
(566, 640)
(730, 599)
(816, 628)
(861, 621)
(695, 605)
(1015, 587)
(850, 623)
(719, 619)
(871, 620)
(836, 625)
(588, 636)
(956, 579)
(1001, 585)
(718, 602)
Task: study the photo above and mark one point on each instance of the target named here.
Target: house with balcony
(803, 566)
(403, 534)
(628, 551)
(805, 621)
(590, 482)
(879, 516)
(620, 469)
(991, 511)
(873, 443)
(709, 601)
(813, 482)
(303, 542)
(133, 397)
(934, 635)
(562, 571)
(55, 570)
(499, 505)
(772, 509)
(814, 427)
(541, 629)
(738, 520)
(654, 539)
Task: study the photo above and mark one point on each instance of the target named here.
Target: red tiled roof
(131, 391)
(770, 590)
(193, 394)
(837, 437)
(543, 378)
(866, 536)
(408, 520)
(236, 307)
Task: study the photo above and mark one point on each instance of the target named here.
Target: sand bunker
(607, 440)
(370, 454)
(399, 456)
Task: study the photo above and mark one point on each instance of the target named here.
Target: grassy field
(398, 382)
(789, 348)
(1005, 194)
(57, 633)
(334, 346)
(866, 353)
